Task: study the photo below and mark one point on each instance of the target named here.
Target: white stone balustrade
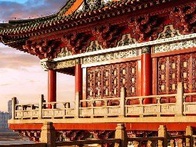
(157, 108)
(109, 107)
(100, 107)
(189, 107)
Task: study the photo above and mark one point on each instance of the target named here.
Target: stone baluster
(121, 134)
(149, 143)
(162, 132)
(172, 143)
(122, 101)
(179, 143)
(189, 132)
(179, 100)
(159, 104)
(48, 134)
(136, 143)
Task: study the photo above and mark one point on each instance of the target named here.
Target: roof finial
(86, 6)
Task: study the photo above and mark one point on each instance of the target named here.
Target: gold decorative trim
(175, 46)
(65, 64)
(109, 56)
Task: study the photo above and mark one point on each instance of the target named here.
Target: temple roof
(80, 22)
(21, 29)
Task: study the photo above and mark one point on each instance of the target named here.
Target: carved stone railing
(100, 107)
(26, 111)
(155, 109)
(189, 106)
(44, 110)
(182, 104)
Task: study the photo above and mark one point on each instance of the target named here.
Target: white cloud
(21, 75)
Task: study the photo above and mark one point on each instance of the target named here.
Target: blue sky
(21, 75)
(24, 9)
(17, 1)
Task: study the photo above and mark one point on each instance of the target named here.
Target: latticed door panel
(107, 80)
(174, 69)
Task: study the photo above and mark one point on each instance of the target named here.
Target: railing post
(121, 134)
(48, 134)
(14, 102)
(122, 101)
(189, 132)
(179, 100)
(77, 105)
(41, 100)
(162, 132)
(179, 143)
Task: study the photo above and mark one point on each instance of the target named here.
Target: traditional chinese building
(134, 62)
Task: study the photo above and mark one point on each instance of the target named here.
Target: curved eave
(70, 6)
(56, 23)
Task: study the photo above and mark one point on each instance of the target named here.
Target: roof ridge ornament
(91, 4)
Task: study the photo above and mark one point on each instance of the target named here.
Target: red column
(78, 86)
(51, 85)
(78, 78)
(146, 74)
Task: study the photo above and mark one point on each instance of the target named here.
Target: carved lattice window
(107, 80)
(174, 69)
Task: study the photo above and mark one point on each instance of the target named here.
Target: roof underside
(22, 29)
(16, 33)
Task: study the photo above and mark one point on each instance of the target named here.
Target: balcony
(110, 109)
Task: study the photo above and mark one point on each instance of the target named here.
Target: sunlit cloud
(18, 61)
(21, 75)
(30, 9)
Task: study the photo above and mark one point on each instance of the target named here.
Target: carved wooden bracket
(43, 49)
(72, 135)
(108, 35)
(31, 134)
(103, 134)
(144, 28)
(76, 42)
(184, 19)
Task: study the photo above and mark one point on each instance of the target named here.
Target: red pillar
(78, 86)
(51, 85)
(78, 78)
(146, 74)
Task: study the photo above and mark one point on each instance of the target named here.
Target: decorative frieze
(65, 64)
(109, 56)
(175, 46)
(46, 65)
